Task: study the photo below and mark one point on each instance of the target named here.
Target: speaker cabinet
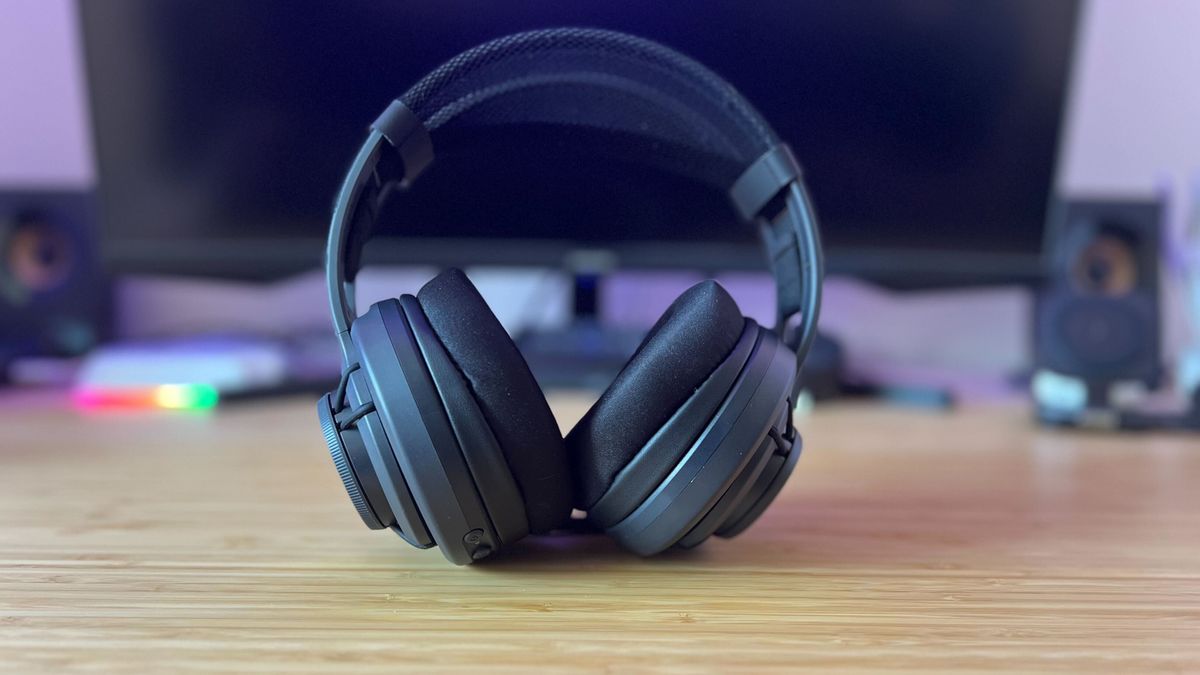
(1098, 316)
(54, 299)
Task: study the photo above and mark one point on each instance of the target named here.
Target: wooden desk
(906, 541)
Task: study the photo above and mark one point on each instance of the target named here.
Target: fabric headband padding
(596, 80)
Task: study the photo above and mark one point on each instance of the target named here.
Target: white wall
(1134, 115)
(45, 140)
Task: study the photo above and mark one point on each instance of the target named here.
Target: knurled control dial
(337, 450)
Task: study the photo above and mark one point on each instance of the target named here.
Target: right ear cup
(507, 394)
(695, 336)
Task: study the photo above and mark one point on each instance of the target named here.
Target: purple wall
(44, 137)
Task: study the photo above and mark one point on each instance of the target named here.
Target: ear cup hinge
(784, 440)
(783, 444)
(789, 431)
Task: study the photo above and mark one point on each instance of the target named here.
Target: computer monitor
(928, 131)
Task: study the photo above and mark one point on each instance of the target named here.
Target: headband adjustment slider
(405, 132)
(762, 182)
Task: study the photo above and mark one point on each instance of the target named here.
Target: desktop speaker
(1098, 316)
(53, 297)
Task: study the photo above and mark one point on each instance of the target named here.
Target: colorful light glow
(185, 396)
(161, 397)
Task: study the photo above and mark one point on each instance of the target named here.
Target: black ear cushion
(683, 348)
(510, 399)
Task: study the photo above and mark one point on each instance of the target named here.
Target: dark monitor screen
(928, 132)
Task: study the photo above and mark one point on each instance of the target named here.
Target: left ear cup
(507, 395)
(689, 342)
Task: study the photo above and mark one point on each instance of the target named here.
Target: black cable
(339, 395)
(355, 415)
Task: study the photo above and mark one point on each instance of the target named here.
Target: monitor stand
(584, 354)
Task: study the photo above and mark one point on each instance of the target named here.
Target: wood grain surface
(906, 541)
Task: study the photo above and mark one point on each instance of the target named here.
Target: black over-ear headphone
(437, 427)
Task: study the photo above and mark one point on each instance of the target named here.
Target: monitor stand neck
(585, 353)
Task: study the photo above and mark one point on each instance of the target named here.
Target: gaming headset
(437, 426)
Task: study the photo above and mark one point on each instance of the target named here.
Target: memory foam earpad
(683, 348)
(510, 399)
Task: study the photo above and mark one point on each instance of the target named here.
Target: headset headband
(626, 90)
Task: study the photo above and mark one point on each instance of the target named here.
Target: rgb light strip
(162, 397)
